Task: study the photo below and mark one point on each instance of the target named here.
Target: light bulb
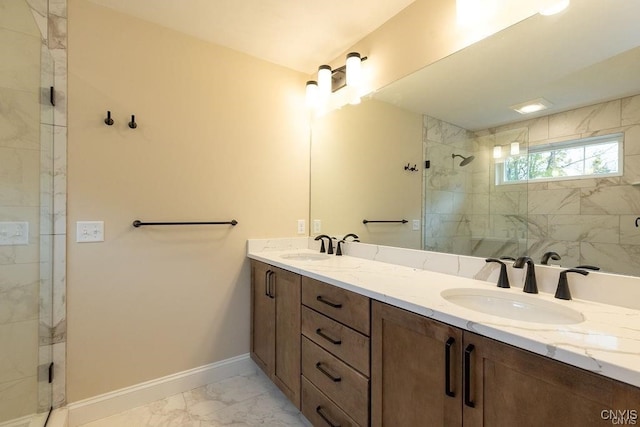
(324, 80)
(354, 69)
(311, 96)
(497, 152)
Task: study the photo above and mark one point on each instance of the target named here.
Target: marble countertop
(607, 342)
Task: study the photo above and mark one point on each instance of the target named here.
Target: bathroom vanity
(356, 342)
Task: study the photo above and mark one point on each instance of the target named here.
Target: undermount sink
(305, 256)
(523, 307)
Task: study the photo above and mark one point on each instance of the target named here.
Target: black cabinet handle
(327, 337)
(333, 378)
(447, 368)
(272, 285)
(267, 275)
(320, 411)
(329, 303)
(467, 376)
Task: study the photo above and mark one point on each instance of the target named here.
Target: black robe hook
(132, 123)
(108, 120)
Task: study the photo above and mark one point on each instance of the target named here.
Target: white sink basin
(305, 256)
(523, 307)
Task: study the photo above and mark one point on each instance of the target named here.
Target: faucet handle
(563, 292)
(589, 267)
(503, 280)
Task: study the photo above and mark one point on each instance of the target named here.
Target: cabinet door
(513, 387)
(411, 383)
(262, 318)
(285, 288)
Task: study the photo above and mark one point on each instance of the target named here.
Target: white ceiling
(298, 34)
(588, 54)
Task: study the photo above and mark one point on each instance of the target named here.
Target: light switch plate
(301, 226)
(14, 233)
(317, 226)
(415, 224)
(89, 231)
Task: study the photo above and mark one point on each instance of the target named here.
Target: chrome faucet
(530, 284)
(322, 247)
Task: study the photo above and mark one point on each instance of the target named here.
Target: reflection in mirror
(359, 154)
(585, 62)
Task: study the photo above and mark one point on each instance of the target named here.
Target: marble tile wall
(32, 163)
(464, 211)
(587, 221)
(447, 187)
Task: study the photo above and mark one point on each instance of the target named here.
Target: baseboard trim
(127, 398)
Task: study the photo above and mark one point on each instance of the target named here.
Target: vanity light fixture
(515, 148)
(497, 152)
(349, 76)
(552, 7)
(532, 106)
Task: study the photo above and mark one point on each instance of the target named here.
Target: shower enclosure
(26, 201)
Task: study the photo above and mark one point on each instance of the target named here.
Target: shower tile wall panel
(587, 221)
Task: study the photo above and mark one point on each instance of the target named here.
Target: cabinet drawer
(345, 386)
(344, 306)
(350, 346)
(320, 410)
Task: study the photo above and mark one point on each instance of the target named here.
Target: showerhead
(465, 160)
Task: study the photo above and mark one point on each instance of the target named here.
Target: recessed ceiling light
(552, 7)
(532, 106)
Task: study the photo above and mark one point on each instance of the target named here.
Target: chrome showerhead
(465, 160)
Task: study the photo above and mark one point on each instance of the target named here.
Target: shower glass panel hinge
(52, 96)
(51, 373)
(427, 164)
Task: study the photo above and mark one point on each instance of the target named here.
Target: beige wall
(425, 32)
(358, 153)
(220, 135)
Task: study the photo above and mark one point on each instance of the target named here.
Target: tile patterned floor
(240, 401)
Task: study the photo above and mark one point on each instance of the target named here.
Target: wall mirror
(445, 164)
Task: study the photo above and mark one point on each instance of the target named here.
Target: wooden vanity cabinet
(275, 326)
(489, 383)
(335, 355)
(408, 370)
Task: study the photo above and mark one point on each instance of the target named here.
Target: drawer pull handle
(329, 303)
(320, 411)
(447, 368)
(467, 376)
(327, 337)
(333, 378)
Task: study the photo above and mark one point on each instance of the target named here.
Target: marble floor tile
(241, 401)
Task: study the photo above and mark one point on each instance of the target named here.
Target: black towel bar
(367, 221)
(138, 223)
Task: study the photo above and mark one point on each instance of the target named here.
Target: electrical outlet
(317, 226)
(14, 233)
(415, 225)
(89, 231)
(301, 226)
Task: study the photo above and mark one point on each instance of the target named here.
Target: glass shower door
(26, 192)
